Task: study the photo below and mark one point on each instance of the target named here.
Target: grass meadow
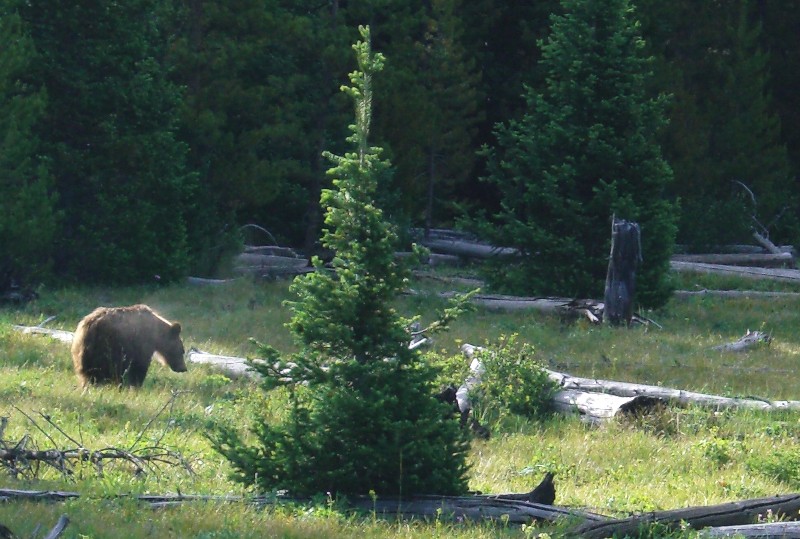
(676, 458)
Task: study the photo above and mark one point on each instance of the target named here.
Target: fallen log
(734, 294)
(235, 367)
(726, 514)
(771, 530)
(596, 408)
(58, 334)
(505, 508)
(676, 396)
(664, 394)
(269, 261)
(467, 249)
(761, 260)
(202, 281)
(747, 272)
(593, 407)
(750, 339)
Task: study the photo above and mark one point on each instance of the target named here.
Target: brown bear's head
(172, 349)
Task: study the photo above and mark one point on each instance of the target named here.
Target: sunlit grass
(677, 458)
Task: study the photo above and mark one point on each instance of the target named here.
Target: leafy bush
(782, 465)
(513, 380)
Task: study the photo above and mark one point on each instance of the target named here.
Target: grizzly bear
(116, 345)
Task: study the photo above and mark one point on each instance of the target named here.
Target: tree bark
(621, 277)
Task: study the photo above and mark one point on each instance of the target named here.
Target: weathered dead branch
(749, 340)
(23, 458)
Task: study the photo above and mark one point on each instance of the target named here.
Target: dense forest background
(137, 136)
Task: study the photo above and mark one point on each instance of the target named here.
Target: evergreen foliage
(363, 415)
(584, 151)
(27, 215)
(110, 133)
(724, 138)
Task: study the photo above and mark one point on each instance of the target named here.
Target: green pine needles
(362, 415)
(584, 150)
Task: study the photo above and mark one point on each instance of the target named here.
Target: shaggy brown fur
(116, 345)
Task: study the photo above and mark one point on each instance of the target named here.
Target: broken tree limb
(750, 339)
(747, 272)
(59, 528)
(765, 242)
(726, 514)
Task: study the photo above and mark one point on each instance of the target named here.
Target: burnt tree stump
(626, 253)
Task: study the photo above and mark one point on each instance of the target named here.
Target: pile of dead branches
(25, 459)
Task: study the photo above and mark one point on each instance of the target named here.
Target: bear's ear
(175, 329)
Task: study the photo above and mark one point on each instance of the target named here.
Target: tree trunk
(621, 276)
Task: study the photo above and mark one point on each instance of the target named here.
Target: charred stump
(621, 277)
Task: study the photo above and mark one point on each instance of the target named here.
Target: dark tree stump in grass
(621, 277)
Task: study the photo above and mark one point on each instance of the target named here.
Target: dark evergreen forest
(137, 136)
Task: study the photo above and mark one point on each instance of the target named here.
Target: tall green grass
(674, 458)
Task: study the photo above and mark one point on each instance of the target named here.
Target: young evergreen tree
(362, 417)
(583, 152)
(27, 214)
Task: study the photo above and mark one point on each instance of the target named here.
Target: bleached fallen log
(58, 334)
(593, 407)
(747, 272)
(202, 281)
(498, 301)
(235, 367)
(735, 294)
(725, 514)
(771, 530)
(749, 340)
(273, 250)
(761, 260)
(468, 249)
(666, 394)
(677, 396)
(269, 261)
(596, 408)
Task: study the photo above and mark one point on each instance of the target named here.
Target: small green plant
(717, 449)
(782, 465)
(513, 380)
